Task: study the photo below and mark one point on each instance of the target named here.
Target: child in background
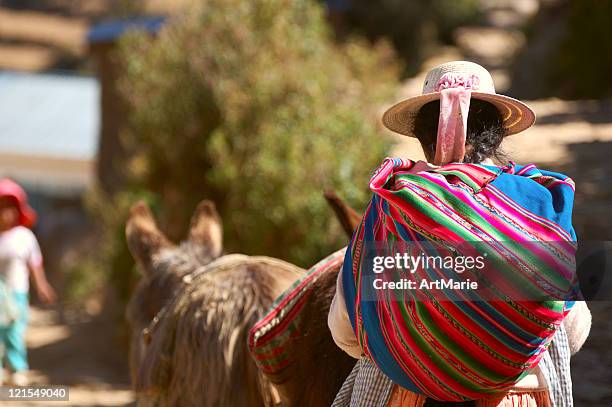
(20, 257)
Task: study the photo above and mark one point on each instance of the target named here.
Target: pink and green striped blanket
(273, 339)
(448, 344)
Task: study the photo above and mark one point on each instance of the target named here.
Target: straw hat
(517, 116)
(10, 189)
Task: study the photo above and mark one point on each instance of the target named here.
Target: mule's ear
(348, 217)
(206, 228)
(144, 239)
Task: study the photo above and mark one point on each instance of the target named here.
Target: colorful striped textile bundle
(271, 339)
(434, 342)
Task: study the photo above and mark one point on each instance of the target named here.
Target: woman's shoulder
(531, 174)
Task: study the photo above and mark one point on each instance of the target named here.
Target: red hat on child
(9, 188)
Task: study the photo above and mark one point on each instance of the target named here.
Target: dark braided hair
(484, 131)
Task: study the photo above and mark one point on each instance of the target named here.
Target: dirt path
(80, 354)
(42, 35)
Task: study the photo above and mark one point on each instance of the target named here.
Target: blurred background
(261, 105)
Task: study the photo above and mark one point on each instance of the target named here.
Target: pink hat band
(455, 94)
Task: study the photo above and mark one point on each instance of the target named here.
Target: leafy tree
(252, 105)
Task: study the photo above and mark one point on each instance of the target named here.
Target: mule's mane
(188, 258)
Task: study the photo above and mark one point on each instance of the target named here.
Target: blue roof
(109, 31)
(49, 115)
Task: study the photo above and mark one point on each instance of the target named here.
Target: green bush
(250, 104)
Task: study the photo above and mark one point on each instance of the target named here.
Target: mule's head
(165, 266)
(156, 255)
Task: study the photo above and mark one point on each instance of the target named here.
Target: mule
(193, 308)
(191, 312)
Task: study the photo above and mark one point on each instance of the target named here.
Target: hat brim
(27, 216)
(516, 115)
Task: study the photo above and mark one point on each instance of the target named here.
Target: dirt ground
(79, 354)
(42, 35)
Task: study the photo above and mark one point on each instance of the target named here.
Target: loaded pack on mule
(192, 311)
